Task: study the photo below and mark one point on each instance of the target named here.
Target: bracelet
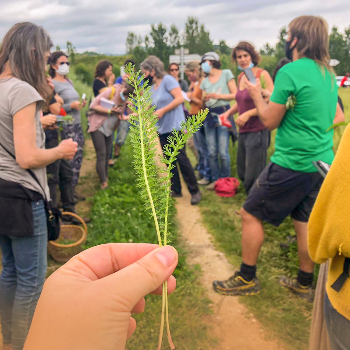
(109, 112)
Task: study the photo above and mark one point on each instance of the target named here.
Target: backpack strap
(339, 283)
(111, 95)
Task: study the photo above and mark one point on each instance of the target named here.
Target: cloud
(102, 25)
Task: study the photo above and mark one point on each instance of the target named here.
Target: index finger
(106, 259)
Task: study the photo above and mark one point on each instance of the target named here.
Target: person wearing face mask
(104, 77)
(303, 105)
(168, 99)
(174, 70)
(218, 88)
(59, 69)
(102, 124)
(195, 75)
(254, 138)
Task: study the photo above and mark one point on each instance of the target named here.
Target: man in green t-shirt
(302, 107)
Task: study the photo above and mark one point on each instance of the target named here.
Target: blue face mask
(122, 96)
(250, 66)
(206, 67)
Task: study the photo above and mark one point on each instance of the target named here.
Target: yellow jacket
(329, 225)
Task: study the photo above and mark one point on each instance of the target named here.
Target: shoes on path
(237, 285)
(196, 198)
(211, 186)
(176, 195)
(203, 182)
(303, 292)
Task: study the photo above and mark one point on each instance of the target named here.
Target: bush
(83, 74)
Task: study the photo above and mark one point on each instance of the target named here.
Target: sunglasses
(67, 63)
(174, 70)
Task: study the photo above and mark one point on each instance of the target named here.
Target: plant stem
(161, 331)
(145, 170)
(170, 341)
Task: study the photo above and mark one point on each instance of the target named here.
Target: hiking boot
(237, 285)
(175, 194)
(196, 198)
(78, 197)
(211, 186)
(303, 292)
(203, 182)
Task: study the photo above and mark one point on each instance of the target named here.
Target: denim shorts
(279, 192)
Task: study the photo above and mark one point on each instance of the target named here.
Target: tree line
(162, 41)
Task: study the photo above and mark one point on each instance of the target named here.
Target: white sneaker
(211, 186)
(203, 182)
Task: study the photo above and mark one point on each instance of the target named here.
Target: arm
(24, 135)
(233, 90)
(339, 115)
(55, 108)
(233, 110)
(178, 100)
(270, 114)
(95, 104)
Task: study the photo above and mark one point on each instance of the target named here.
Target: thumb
(135, 281)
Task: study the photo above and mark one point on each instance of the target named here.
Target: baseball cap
(211, 56)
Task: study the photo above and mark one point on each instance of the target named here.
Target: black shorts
(279, 192)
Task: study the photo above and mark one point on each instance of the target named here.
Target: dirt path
(232, 324)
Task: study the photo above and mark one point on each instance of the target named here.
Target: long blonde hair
(313, 39)
(195, 65)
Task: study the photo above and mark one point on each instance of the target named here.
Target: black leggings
(185, 167)
(102, 146)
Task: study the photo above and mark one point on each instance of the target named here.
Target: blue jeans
(218, 147)
(122, 133)
(24, 261)
(203, 162)
(338, 327)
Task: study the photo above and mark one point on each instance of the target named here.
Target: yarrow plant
(153, 179)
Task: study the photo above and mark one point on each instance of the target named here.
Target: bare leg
(305, 262)
(252, 237)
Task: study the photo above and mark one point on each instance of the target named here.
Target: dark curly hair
(53, 60)
(245, 46)
(101, 68)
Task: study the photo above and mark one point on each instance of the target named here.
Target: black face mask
(149, 79)
(288, 50)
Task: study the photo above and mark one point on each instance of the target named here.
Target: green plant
(152, 179)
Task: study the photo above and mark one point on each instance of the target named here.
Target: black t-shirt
(97, 86)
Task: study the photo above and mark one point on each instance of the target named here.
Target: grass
(287, 317)
(118, 216)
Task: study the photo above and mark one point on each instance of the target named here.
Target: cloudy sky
(102, 25)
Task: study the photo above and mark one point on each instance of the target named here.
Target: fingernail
(166, 255)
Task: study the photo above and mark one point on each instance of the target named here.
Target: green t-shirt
(220, 87)
(301, 137)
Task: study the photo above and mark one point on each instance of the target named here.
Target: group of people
(301, 102)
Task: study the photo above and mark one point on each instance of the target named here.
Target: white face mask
(63, 69)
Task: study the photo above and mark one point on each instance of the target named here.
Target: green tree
(280, 53)
(131, 42)
(339, 49)
(57, 48)
(71, 51)
(267, 50)
(196, 37)
(160, 46)
(223, 48)
(174, 37)
(83, 73)
(191, 34)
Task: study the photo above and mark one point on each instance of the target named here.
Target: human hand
(48, 121)
(242, 119)
(254, 89)
(213, 95)
(159, 113)
(67, 149)
(123, 117)
(50, 82)
(266, 94)
(59, 99)
(224, 116)
(111, 79)
(77, 105)
(83, 103)
(117, 109)
(88, 302)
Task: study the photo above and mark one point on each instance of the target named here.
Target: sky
(102, 25)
